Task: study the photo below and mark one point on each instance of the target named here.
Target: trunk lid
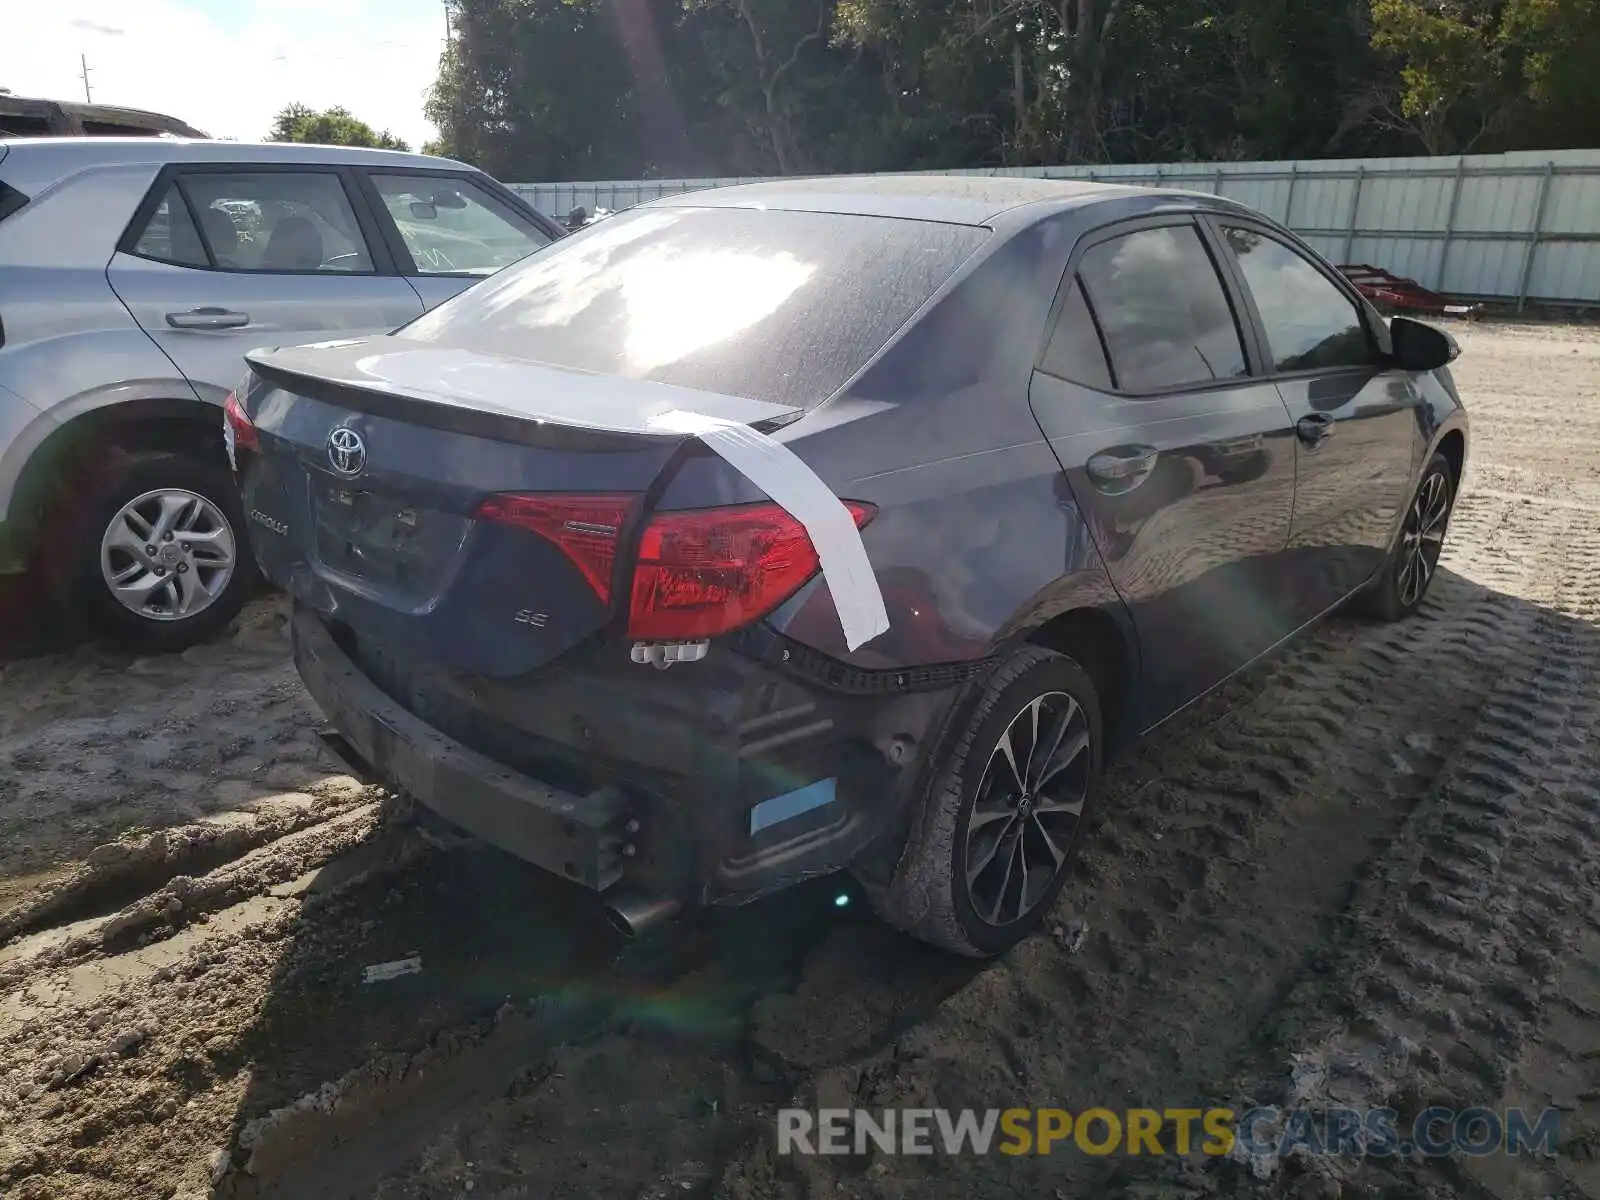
(376, 456)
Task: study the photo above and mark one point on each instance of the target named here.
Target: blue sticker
(792, 804)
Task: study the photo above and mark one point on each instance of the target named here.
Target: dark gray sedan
(838, 524)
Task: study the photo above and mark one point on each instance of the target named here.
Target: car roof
(68, 154)
(955, 199)
(110, 114)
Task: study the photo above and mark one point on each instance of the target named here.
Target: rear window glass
(11, 200)
(776, 306)
(115, 129)
(1075, 351)
(170, 235)
(17, 125)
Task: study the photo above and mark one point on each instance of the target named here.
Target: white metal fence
(1508, 227)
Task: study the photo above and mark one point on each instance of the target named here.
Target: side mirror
(1420, 347)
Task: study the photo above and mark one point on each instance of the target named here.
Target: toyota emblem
(346, 451)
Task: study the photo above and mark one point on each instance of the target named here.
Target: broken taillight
(587, 528)
(238, 431)
(699, 572)
(708, 571)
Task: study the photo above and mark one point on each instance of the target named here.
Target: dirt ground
(1365, 873)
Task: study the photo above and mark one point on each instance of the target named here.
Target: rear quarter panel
(976, 539)
(22, 426)
(71, 347)
(73, 221)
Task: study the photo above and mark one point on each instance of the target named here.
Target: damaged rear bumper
(725, 783)
(580, 837)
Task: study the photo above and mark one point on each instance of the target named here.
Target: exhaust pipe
(634, 913)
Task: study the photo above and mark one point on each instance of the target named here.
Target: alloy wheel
(168, 554)
(1025, 816)
(1422, 538)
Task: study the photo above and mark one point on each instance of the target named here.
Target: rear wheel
(1403, 585)
(992, 845)
(158, 557)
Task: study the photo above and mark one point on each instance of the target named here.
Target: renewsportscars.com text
(1333, 1132)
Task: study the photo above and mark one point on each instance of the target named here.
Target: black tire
(927, 894)
(1393, 595)
(84, 582)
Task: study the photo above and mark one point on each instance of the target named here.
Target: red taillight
(239, 425)
(586, 528)
(706, 572)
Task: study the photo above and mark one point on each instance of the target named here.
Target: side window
(277, 221)
(1310, 324)
(17, 125)
(1075, 351)
(452, 226)
(1162, 310)
(169, 235)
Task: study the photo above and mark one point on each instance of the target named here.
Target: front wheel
(159, 556)
(999, 827)
(1403, 584)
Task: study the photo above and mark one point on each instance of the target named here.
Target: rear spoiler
(504, 399)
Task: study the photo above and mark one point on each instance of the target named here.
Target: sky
(228, 66)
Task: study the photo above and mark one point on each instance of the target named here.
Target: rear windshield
(776, 306)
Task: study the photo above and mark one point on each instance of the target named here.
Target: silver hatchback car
(135, 273)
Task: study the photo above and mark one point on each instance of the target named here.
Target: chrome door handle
(208, 318)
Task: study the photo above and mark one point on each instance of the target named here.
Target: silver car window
(452, 226)
(170, 235)
(277, 221)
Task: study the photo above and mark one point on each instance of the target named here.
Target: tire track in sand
(1225, 852)
(1448, 965)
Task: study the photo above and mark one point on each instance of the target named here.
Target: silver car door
(221, 260)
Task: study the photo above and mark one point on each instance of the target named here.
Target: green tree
(331, 127)
(536, 89)
(607, 89)
(1556, 46)
(1492, 72)
(1452, 84)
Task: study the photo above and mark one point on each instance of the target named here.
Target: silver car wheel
(168, 554)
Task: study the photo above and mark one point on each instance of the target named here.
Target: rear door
(1180, 460)
(1357, 422)
(446, 230)
(222, 259)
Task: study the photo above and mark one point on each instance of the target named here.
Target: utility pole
(83, 61)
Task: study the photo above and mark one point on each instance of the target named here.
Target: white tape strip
(779, 472)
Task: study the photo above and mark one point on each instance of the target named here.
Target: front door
(1357, 423)
(1180, 461)
(228, 260)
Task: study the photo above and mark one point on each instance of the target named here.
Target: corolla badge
(346, 451)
